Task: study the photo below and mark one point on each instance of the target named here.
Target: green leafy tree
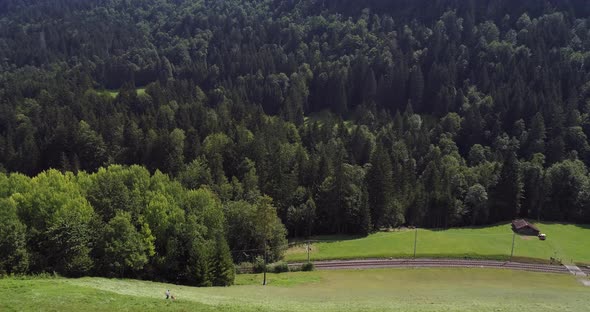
(14, 257)
(195, 174)
(269, 232)
(91, 149)
(126, 248)
(564, 187)
(51, 194)
(70, 239)
(107, 192)
(476, 201)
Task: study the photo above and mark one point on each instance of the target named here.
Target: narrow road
(435, 263)
(575, 270)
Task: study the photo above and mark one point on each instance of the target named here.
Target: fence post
(415, 241)
(512, 252)
(265, 265)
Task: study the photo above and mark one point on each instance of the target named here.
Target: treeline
(350, 119)
(126, 222)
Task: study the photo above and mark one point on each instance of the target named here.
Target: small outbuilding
(522, 227)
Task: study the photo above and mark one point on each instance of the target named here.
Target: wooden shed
(522, 227)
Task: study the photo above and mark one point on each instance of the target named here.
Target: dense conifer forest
(151, 138)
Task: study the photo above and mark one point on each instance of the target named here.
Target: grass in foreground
(571, 243)
(370, 290)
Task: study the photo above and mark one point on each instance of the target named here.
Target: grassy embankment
(566, 242)
(371, 290)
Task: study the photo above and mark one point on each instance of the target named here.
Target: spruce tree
(506, 196)
(381, 191)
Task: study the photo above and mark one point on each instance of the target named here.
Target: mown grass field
(566, 242)
(371, 290)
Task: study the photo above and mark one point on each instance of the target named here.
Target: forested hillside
(349, 115)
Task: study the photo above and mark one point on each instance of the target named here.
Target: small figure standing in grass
(167, 293)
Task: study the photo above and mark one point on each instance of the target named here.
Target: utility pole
(308, 248)
(512, 252)
(264, 281)
(415, 241)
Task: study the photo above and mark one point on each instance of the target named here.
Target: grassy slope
(371, 290)
(568, 242)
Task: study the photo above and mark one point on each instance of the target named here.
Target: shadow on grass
(343, 237)
(582, 226)
(472, 227)
(547, 222)
(505, 223)
(326, 239)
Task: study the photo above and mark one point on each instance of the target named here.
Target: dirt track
(435, 263)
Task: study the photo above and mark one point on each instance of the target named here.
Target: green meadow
(570, 243)
(360, 290)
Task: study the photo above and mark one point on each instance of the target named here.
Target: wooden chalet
(522, 227)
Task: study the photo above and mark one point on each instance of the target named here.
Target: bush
(307, 267)
(280, 267)
(259, 265)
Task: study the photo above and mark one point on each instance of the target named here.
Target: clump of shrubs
(280, 267)
(307, 267)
